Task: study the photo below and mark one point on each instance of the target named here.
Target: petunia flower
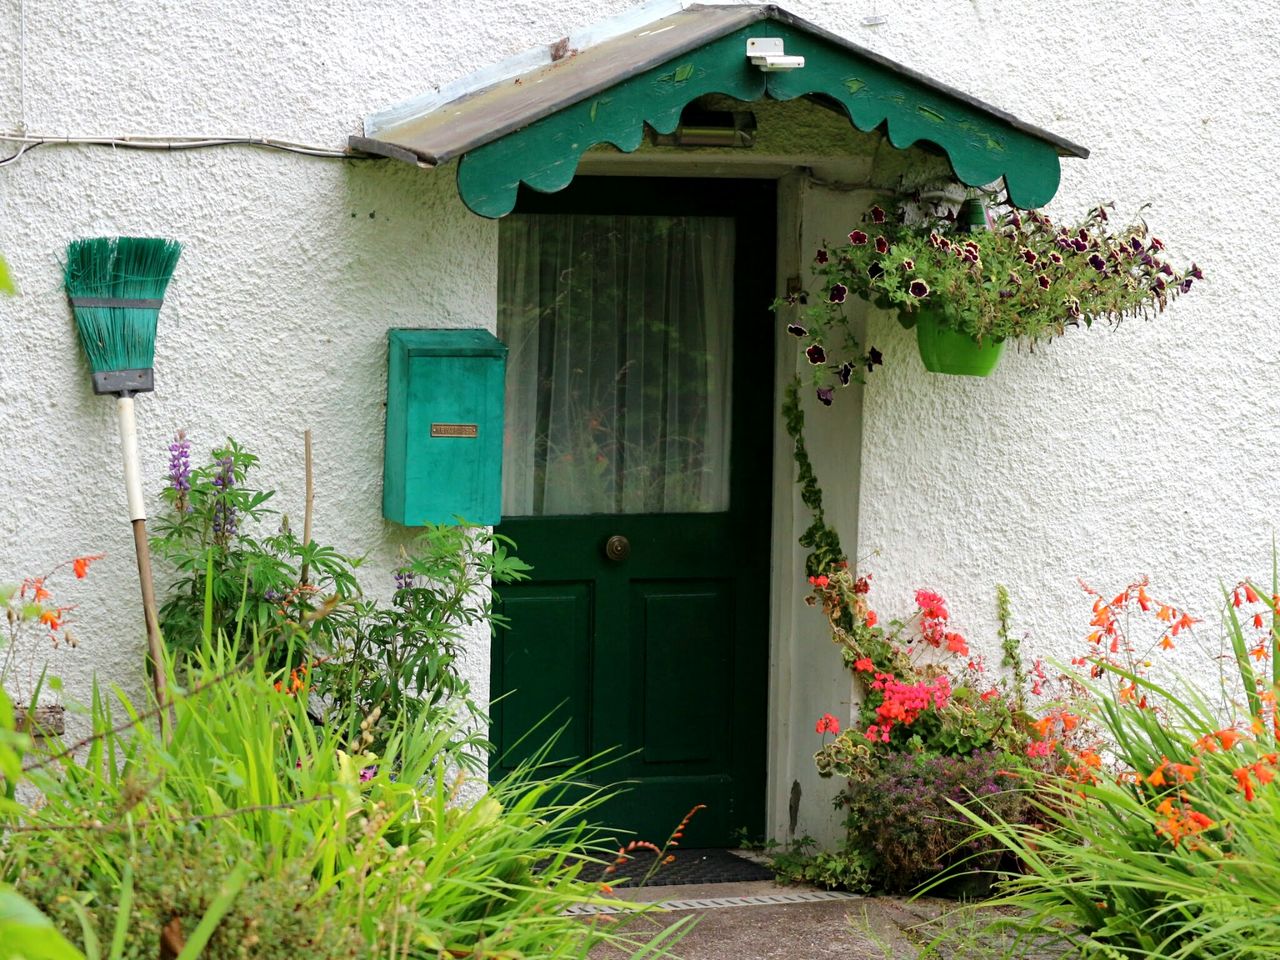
(857, 238)
(838, 293)
(918, 289)
(816, 354)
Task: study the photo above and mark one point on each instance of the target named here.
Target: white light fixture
(766, 53)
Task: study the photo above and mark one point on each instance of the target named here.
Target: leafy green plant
(249, 830)
(1024, 278)
(304, 603)
(848, 868)
(1165, 840)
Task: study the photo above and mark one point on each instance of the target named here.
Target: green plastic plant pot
(945, 350)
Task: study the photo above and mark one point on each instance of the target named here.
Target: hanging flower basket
(969, 281)
(945, 349)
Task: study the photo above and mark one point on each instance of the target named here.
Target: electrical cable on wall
(28, 143)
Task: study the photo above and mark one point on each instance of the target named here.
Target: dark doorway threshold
(690, 866)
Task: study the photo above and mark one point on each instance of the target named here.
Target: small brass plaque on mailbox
(453, 430)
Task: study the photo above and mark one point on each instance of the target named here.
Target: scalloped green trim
(981, 148)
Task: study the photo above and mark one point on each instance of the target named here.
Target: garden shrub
(900, 813)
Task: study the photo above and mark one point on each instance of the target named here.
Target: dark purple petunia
(1135, 244)
(882, 245)
(1015, 220)
(1006, 294)
(825, 395)
(838, 292)
(816, 354)
(908, 263)
(1157, 243)
(845, 373)
(874, 358)
(875, 270)
(1159, 283)
(1195, 272)
(796, 330)
(1185, 285)
(918, 289)
(857, 238)
(1079, 245)
(1015, 279)
(1028, 256)
(1166, 269)
(1097, 262)
(1043, 281)
(877, 215)
(1055, 257)
(821, 256)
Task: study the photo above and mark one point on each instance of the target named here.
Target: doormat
(690, 866)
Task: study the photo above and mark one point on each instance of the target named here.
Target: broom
(116, 286)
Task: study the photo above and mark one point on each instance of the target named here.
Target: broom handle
(138, 516)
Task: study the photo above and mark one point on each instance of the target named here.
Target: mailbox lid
(446, 343)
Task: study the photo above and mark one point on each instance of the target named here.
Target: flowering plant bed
(934, 729)
(1013, 276)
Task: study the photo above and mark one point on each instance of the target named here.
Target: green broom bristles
(119, 268)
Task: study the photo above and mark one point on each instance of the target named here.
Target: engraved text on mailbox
(453, 430)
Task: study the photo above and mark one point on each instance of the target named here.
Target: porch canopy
(530, 121)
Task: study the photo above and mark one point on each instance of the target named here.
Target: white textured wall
(1104, 456)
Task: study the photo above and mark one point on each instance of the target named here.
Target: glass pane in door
(618, 376)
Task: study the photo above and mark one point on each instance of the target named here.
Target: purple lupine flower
(224, 512)
(405, 579)
(180, 471)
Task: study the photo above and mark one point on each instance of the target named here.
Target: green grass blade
(217, 910)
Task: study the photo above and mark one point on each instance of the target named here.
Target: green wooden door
(637, 479)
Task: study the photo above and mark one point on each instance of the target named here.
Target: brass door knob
(617, 548)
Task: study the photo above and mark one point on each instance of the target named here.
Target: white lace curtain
(618, 377)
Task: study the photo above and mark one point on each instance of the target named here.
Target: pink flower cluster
(904, 702)
(933, 623)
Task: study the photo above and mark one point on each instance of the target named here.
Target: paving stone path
(858, 928)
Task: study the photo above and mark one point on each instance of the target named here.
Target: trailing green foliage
(821, 540)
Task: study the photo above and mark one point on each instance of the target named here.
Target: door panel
(657, 658)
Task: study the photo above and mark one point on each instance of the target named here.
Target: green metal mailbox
(444, 427)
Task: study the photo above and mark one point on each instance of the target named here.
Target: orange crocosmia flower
(1186, 771)
(1166, 643)
(1165, 613)
(1143, 600)
(1157, 778)
(1069, 721)
(51, 619)
(1127, 692)
(1259, 652)
(1250, 594)
(1042, 727)
(80, 565)
(1264, 773)
(1257, 621)
(1228, 738)
(1244, 782)
(1095, 637)
(1187, 620)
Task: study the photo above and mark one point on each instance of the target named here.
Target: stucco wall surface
(1104, 456)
